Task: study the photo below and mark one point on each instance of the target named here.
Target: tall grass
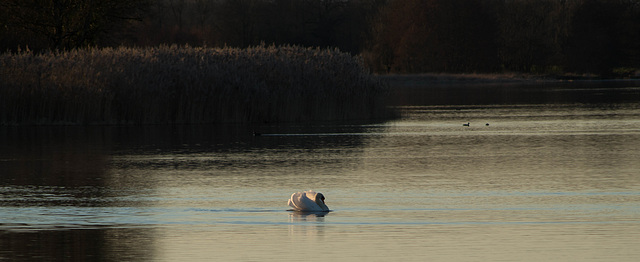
(172, 84)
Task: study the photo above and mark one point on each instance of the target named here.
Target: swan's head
(320, 201)
(320, 197)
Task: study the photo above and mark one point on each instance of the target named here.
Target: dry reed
(172, 84)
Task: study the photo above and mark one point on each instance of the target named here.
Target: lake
(545, 171)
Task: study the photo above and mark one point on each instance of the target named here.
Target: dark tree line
(242, 23)
(537, 36)
(56, 24)
(436, 35)
(63, 24)
(404, 36)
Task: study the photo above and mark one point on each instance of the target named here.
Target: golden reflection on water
(319, 242)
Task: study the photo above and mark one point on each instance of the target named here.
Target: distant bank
(443, 78)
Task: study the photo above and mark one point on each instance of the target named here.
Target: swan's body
(308, 201)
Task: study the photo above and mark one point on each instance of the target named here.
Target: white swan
(308, 201)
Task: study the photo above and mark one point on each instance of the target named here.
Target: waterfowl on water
(467, 124)
(308, 201)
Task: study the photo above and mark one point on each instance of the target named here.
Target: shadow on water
(53, 168)
(109, 244)
(76, 156)
(83, 175)
(302, 215)
(53, 156)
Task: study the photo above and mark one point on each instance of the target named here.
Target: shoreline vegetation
(187, 85)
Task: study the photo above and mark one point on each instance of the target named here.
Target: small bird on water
(467, 124)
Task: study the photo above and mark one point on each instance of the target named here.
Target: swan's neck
(321, 204)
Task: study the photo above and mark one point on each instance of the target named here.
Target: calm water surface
(555, 178)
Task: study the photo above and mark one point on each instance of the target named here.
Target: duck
(467, 124)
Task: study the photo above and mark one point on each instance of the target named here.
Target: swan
(308, 201)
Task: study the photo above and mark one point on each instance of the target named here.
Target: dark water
(553, 177)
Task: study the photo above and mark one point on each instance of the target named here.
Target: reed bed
(181, 84)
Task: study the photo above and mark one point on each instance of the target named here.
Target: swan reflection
(299, 216)
(307, 224)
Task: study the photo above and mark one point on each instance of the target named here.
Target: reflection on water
(114, 244)
(543, 181)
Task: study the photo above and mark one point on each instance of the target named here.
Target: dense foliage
(171, 84)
